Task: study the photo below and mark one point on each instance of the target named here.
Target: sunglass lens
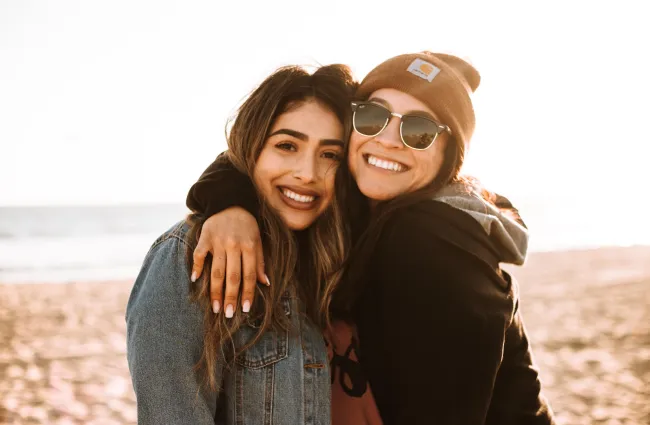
(418, 132)
(370, 119)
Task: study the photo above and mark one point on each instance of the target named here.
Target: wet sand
(62, 346)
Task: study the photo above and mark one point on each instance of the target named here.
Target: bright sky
(126, 101)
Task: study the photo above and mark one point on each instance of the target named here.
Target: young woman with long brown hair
(265, 363)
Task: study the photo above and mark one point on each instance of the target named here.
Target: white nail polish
(246, 307)
(193, 278)
(268, 282)
(215, 307)
(229, 311)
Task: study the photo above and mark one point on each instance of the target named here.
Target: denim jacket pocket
(270, 348)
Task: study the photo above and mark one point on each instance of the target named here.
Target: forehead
(401, 102)
(312, 118)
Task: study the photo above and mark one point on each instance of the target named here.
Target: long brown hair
(311, 273)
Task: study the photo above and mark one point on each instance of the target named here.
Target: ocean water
(59, 244)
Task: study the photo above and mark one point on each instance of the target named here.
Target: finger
(259, 256)
(233, 279)
(216, 279)
(198, 259)
(250, 275)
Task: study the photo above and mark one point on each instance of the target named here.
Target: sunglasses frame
(441, 127)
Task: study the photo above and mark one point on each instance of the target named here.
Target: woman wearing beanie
(440, 333)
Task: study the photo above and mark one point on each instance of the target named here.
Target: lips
(299, 198)
(384, 164)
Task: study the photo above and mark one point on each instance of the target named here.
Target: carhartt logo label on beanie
(423, 69)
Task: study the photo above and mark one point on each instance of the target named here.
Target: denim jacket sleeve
(164, 341)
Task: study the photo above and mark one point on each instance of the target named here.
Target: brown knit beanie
(443, 82)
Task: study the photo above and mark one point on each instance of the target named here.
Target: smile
(385, 164)
(309, 200)
(305, 199)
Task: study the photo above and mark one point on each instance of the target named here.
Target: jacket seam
(172, 234)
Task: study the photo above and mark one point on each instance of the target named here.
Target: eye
(336, 156)
(287, 146)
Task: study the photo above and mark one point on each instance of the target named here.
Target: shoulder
(435, 227)
(436, 218)
(180, 232)
(433, 249)
(164, 278)
(169, 253)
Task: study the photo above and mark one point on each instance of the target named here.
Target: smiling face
(383, 166)
(296, 168)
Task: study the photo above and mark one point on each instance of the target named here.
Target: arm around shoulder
(220, 187)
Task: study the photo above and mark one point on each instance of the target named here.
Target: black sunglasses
(419, 133)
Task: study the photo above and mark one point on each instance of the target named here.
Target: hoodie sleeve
(517, 396)
(220, 187)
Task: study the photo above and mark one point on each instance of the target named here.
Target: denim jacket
(283, 379)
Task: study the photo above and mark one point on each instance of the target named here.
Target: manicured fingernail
(215, 307)
(268, 282)
(229, 311)
(246, 307)
(193, 278)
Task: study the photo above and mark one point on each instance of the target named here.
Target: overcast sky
(125, 101)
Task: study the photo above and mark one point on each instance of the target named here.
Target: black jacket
(441, 335)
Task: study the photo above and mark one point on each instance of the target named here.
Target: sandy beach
(62, 351)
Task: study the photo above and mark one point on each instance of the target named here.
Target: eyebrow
(302, 136)
(380, 101)
(423, 114)
(416, 112)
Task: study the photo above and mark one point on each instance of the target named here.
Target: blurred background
(109, 111)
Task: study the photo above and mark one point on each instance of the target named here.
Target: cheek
(356, 141)
(439, 158)
(429, 163)
(353, 152)
(263, 173)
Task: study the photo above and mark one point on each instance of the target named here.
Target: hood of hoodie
(508, 235)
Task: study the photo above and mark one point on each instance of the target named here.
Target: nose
(306, 169)
(390, 137)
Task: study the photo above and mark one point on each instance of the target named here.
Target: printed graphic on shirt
(352, 399)
(423, 69)
(351, 377)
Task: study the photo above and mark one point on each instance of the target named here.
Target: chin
(375, 192)
(297, 224)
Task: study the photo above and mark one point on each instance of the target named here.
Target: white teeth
(386, 165)
(300, 198)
